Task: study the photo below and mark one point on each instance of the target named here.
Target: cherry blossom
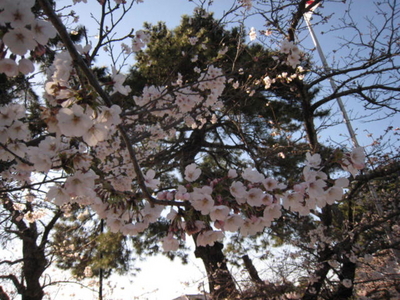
(202, 200)
(219, 212)
(73, 121)
(18, 130)
(238, 190)
(118, 80)
(19, 40)
(169, 243)
(252, 34)
(192, 173)
(9, 67)
(95, 134)
(354, 161)
(313, 160)
(80, 183)
(232, 223)
(43, 31)
(252, 175)
(25, 66)
(17, 13)
(150, 181)
(208, 237)
(254, 197)
(248, 4)
(58, 195)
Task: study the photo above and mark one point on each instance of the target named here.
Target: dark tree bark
(34, 265)
(220, 280)
(34, 261)
(3, 294)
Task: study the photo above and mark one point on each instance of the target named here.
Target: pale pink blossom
(25, 66)
(18, 148)
(181, 193)
(17, 13)
(232, 223)
(41, 160)
(118, 80)
(95, 134)
(238, 190)
(272, 212)
(134, 229)
(150, 181)
(73, 121)
(202, 202)
(333, 194)
(342, 182)
(7, 115)
(251, 226)
(8, 67)
(208, 237)
(114, 224)
(354, 161)
(267, 82)
(292, 200)
(43, 31)
(252, 34)
(252, 175)
(286, 46)
(193, 40)
(247, 4)
(172, 214)
(80, 183)
(3, 138)
(357, 157)
(19, 40)
(313, 160)
(270, 184)
(192, 173)
(316, 188)
(151, 212)
(110, 115)
(58, 195)
(219, 212)
(169, 243)
(254, 197)
(18, 131)
(232, 173)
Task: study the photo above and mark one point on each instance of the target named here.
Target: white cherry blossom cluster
(284, 77)
(140, 40)
(252, 204)
(248, 4)
(252, 34)
(192, 103)
(354, 161)
(22, 34)
(293, 53)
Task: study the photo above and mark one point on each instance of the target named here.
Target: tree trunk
(34, 265)
(34, 261)
(220, 280)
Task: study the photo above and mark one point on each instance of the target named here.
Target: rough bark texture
(33, 267)
(221, 283)
(34, 261)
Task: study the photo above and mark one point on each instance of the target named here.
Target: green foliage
(80, 242)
